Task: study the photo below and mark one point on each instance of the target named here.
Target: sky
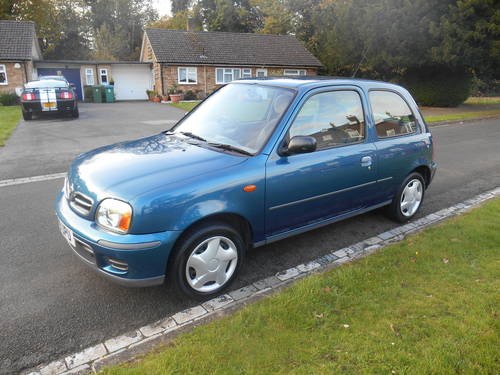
(162, 6)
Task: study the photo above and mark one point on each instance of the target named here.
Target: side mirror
(300, 144)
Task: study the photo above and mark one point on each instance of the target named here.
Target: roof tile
(173, 46)
(16, 40)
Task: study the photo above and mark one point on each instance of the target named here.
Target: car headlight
(66, 189)
(114, 215)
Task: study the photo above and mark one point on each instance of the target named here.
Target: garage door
(72, 75)
(132, 81)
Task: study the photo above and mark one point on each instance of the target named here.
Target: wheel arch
(238, 222)
(425, 172)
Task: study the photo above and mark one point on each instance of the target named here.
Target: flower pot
(175, 97)
(156, 99)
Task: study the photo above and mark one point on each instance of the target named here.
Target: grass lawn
(9, 118)
(483, 100)
(427, 305)
(458, 116)
(186, 106)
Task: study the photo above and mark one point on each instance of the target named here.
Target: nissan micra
(257, 161)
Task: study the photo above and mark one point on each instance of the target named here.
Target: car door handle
(366, 161)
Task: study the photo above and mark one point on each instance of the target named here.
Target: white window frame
(89, 73)
(246, 73)
(103, 72)
(188, 68)
(3, 69)
(263, 70)
(294, 72)
(224, 72)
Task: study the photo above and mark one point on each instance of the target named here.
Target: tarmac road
(51, 304)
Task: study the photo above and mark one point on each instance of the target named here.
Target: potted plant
(175, 94)
(157, 98)
(151, 94)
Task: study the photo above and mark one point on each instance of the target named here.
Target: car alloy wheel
(411, 198)
(211, 264)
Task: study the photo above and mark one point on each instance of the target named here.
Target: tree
(180, 6)
(227, 15)
(117, 24)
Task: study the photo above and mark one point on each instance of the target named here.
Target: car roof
(309, 82)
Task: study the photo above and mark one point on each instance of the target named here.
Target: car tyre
(409, 198)
(27, 116)
(75, 113)
(206, 260)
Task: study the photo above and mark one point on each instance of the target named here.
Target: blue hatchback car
(256, 162)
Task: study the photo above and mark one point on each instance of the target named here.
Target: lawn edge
(138, 342)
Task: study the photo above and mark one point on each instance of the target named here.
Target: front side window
(246, 123)
(3, 75)
(89, 76)
(226, 75)
(294, 72)
(392, 115)
(187, 75)
(333, 118)
(104, 76)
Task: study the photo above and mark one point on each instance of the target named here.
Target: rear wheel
(75, 113)
(27, 116)
(409, 198)
(207, 260)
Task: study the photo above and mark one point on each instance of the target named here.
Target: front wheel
(409, 198)
(207, 260)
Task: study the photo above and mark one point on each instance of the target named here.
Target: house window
(225, 75)
(294, 72)
(104, 76)
(246, 73)
(261, 73)
(89, 76)
(187, 76)
(3, 75)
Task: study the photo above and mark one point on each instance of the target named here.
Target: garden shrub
(9, 98)
(438, 86)
(190, 95)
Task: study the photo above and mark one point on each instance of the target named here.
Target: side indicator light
(250, 188)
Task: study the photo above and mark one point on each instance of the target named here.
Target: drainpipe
(25, 72)
(96, 75)
(206, 87)
(161, 78)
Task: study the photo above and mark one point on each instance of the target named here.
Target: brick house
(203, 61)
(18, 48)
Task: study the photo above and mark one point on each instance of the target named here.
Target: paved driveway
(47, 145)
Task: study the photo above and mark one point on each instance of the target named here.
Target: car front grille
(81, 203)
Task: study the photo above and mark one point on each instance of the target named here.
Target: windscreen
(46, 84)
(239, 115)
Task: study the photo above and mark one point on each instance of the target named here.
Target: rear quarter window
(392, 115)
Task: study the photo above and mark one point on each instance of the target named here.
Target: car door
(304, 189)
(400, 143)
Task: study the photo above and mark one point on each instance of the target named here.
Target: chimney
(191, 24)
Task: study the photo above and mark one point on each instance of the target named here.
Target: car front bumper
(131, 259)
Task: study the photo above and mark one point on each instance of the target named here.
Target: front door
(338, 177)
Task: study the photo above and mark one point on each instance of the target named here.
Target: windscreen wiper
(228, 147)
(194, 136)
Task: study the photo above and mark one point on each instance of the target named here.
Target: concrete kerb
(137, 342)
